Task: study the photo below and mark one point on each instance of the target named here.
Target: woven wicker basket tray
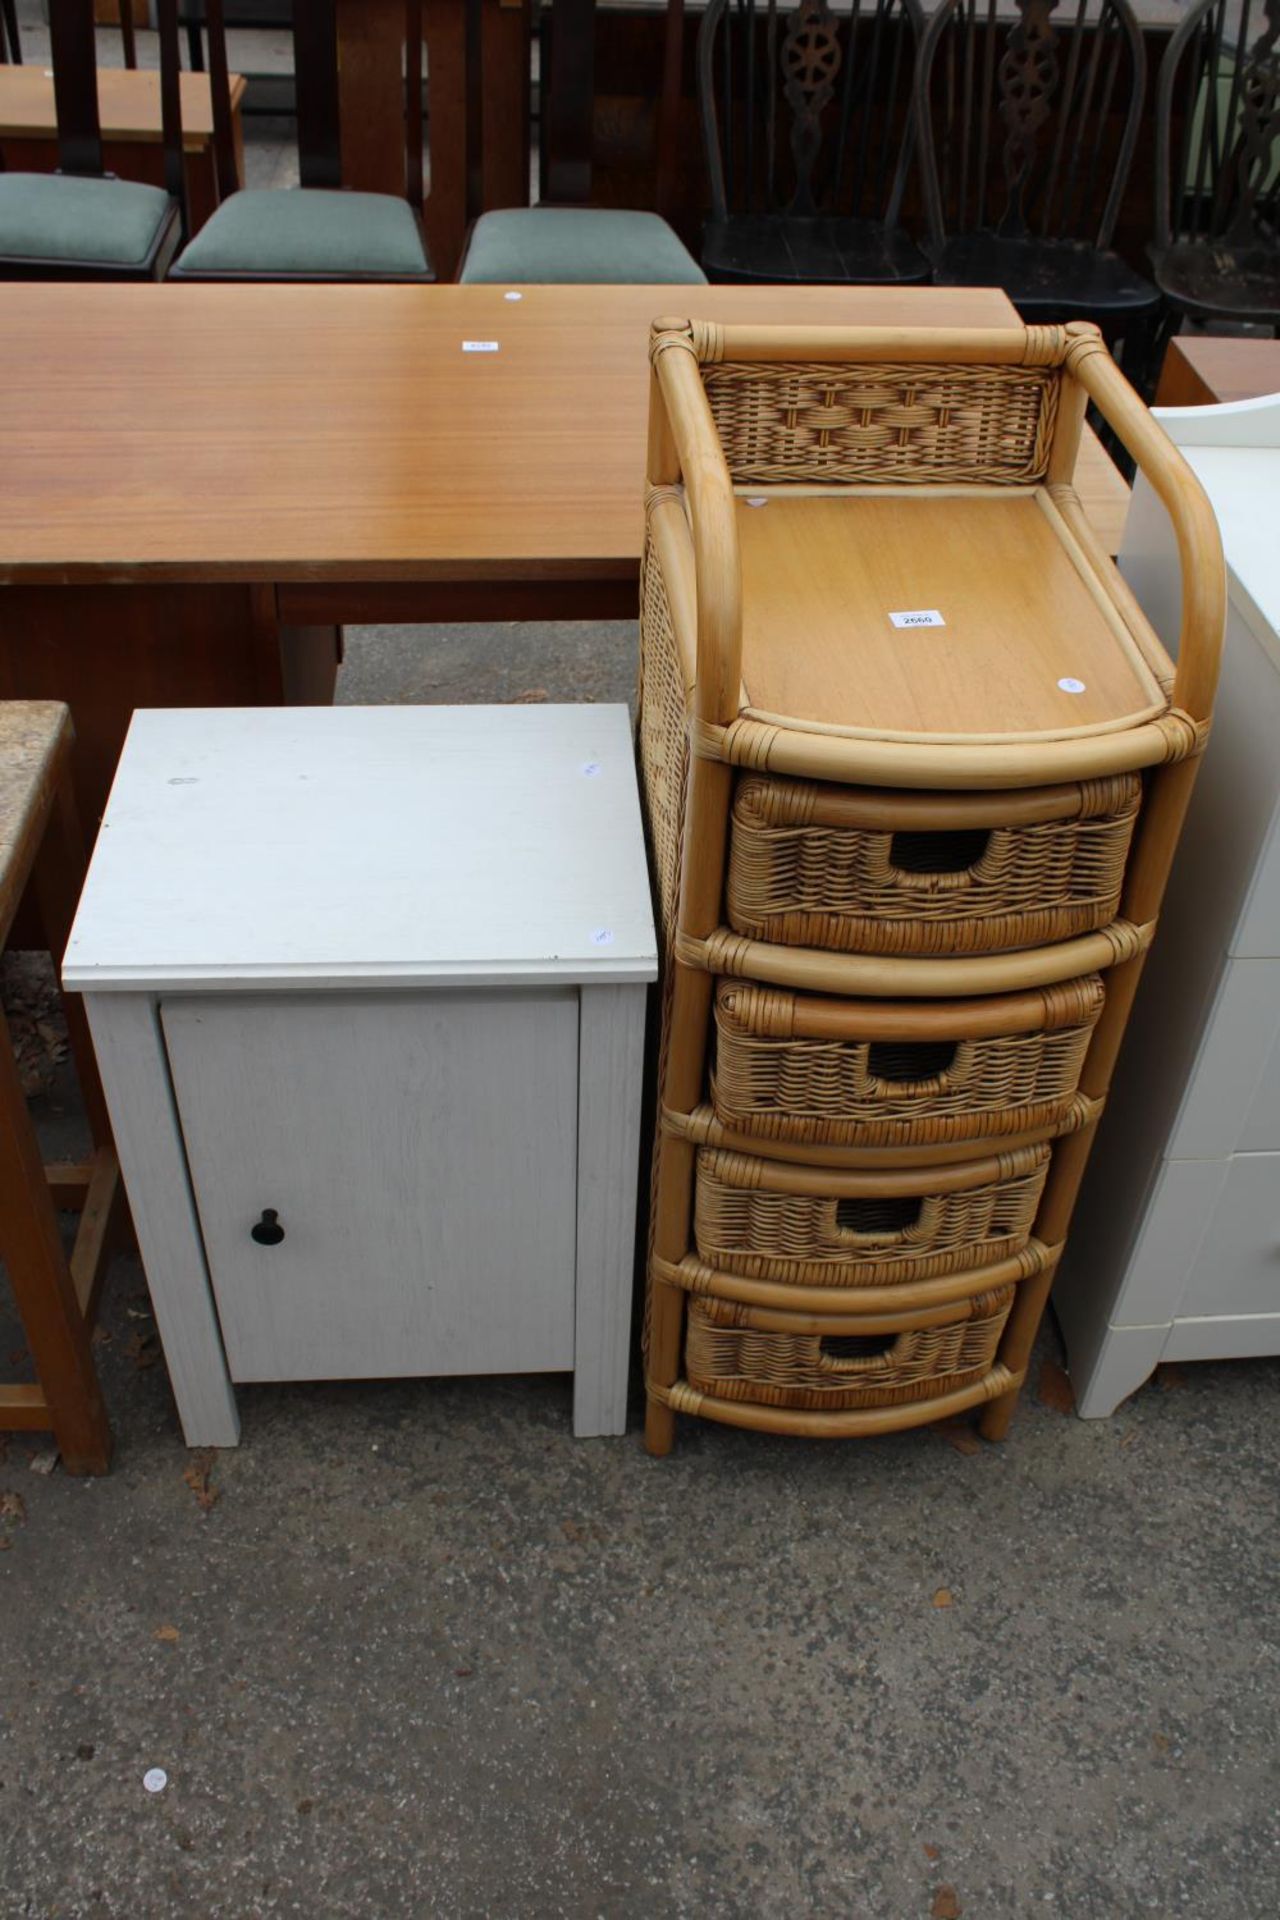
(815, 1226)
(799, 1067)
(906, 873)
(728, 1357)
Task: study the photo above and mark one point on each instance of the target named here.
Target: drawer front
(1262, 1128)
(1237, 1268)
(1232, 1100)
(730, 1356)
(420, 1153)
(911, 873)
(808, 1069)
(809, 1226)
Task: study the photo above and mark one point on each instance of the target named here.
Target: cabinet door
(420, 1153)
(1237, 1269)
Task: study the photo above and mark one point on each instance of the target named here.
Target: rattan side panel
(734, 1361)
(745, 1226)
(774, 1085)
(801, 883)
(664, 740)
(914, 424)
(663, 736)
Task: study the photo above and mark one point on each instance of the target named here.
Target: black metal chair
(10, 41)
(315, 231)
(81, 223)
(1216, 253)
(806, 124)
(1027, 135)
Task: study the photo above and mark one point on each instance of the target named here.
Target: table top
(318, 433)
(1203, 368)
(363, 847)
(128, 104)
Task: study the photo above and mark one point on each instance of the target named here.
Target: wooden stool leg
(57, 878)
(42, 1285)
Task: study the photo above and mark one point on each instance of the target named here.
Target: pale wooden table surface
(343, 434)
(1201, 369)
(128, 104)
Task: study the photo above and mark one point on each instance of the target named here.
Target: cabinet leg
(43, 1288)
(610, 1081)
(127, 1037)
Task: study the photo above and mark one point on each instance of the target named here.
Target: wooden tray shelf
(914, 766)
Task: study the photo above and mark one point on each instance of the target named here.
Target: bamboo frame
(693, 534)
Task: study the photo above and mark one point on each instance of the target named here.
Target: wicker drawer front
(904, 873)
(814, 1227)
(876, 1073)
(726, 1356)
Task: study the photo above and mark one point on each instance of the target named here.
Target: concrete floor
(412, 1650)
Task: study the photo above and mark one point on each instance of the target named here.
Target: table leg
(610, 1086)
(130, 1047)
(42, 1285)
(107, 650)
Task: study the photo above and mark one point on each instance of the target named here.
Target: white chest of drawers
(1175, 1249)
(368, 988)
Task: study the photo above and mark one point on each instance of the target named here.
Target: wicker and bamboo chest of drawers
(914, 768)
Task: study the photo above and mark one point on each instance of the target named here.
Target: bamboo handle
(1204, 575)
(713, 514)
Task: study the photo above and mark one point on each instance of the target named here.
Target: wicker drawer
(730, 1357)
(799, 1067)
(812, 1226)
(860, 871)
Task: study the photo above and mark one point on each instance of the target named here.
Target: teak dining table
(200, 486)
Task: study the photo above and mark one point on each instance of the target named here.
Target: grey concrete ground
(412, 1650)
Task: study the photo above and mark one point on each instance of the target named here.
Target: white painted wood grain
(130, 1050)
(1246, 1336)
(1262, 1126)
(611, 1079)
(1237, 1068)
(421, 1154)
(1237, 1270)
(342, 846)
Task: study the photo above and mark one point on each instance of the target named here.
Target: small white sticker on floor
(155, 1779)
(918, 617)
(1069, 685)
(479, 346)
(513, 295)
(757, 500)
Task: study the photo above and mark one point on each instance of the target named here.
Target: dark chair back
(1029, 129)
(1221, 77)
(75, 91)
(128, 35)
(10, 42)
(807, 112)
(315, 59)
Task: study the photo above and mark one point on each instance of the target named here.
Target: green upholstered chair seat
(574, 245)
(62, 218)
(306, 233)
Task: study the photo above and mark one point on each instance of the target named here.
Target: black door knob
(267, 1232)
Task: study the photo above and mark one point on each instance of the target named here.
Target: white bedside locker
(1175, 1247)
(367, 987)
